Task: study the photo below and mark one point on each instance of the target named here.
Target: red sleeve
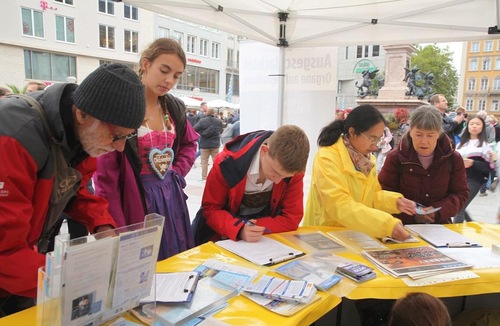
(215, 197)
(89, 209)
(289, 198)
(458, 190)
(20, 224)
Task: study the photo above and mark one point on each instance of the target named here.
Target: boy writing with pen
(254, 187)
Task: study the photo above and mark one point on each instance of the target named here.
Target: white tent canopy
(312, 23)
(189, 101)
(320, 23)
(222, 104)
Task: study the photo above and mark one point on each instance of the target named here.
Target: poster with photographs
(87, 268)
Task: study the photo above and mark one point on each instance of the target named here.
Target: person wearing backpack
(426, 169)
(49, 142)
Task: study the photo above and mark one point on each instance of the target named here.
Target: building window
(346, 52)
(178, 36)
(131, 41)
(496, 83)
(366, 50)
(236, 83)
(163, 32)
(215, 50)
(66, 2)
(230, 58)
(473, 64)
(207, 80)
(65, 29)
(359, 51)
(107, 6)
(339, 86)
(130, 12)
(484, 83)
(204, 47)
(474, 47)
(494, 105)
(497, 63)
(106, 37)
(107, 62)
(482, 105)
(488, 46)
(376, 50)
(487, 64)
(48, 66)
(469, 104)
(32, 22)
(191, 44)
(471, 85)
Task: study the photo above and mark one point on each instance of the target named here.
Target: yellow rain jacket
(342, 196)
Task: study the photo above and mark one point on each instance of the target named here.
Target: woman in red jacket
(426, 168)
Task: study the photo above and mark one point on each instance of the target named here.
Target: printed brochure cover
(402, 262)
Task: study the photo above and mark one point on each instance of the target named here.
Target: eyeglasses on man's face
(372, 139)
(120, 138)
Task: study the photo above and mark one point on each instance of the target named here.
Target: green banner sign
(363, 65)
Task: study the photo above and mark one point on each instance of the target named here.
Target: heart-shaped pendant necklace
(160, 159)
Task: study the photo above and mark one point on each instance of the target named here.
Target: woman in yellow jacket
(344, 188)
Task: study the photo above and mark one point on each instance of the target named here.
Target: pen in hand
(251, 232)
(250, 223)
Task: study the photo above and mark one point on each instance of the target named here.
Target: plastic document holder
(99, 278)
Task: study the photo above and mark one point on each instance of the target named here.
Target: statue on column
(419, 84)
(365, 88)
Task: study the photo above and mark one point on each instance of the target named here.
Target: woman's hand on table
(400, 233)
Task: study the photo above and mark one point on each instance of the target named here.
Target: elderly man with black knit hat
(47, 157)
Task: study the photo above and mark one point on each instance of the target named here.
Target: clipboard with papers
(265, 252)
(174, 287)
(440, 236)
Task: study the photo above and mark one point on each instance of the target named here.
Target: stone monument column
(396, 60)
(393, 94)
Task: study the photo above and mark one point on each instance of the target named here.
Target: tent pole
(281, 85)
(498, 13)
(283, 43)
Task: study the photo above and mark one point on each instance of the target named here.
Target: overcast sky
(456, 48)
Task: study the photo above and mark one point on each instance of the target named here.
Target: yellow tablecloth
(242, 311)
(388, 287)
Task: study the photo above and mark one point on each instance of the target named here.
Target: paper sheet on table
(440, 236)
(440, 278)
(264, 252)
(478, 257)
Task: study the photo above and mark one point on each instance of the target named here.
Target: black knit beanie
(112, 93)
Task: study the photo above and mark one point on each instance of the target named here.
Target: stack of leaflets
(356, 272)
(217, 282)
(415, 262)
(318, 268)
(282, 289)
